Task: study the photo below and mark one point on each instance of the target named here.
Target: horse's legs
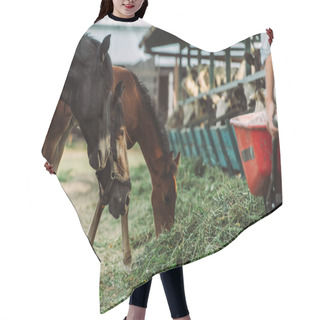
(95, 222)
(125, 238)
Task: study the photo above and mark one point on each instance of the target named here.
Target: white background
(48, 269)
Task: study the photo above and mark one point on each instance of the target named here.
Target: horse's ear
(168, 162)
(177, 159)
(103, 50)
(122, 88)
(119, 89)
(105, 45)
(172, 165)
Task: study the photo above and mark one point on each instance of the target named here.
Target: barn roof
(159, 42)
(156, 37)
(131, 44)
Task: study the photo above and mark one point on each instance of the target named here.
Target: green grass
(212, 209)
(65, 175)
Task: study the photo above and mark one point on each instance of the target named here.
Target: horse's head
(87, 92)
(119, 194)
(164, 193)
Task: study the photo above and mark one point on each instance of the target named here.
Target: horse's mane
(158, 116)
(94, 41)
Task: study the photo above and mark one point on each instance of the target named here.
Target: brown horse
(145, 125)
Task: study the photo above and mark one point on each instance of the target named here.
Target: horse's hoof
(127, 260)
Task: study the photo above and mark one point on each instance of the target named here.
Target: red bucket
(255, 148)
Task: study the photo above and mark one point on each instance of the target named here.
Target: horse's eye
(121, 133)
(167, 198)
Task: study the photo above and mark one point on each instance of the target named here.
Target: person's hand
(49, 167)
(270, 35)
(270, 108)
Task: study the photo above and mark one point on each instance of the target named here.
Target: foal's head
(119, 195)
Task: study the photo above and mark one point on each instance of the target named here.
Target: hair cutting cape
(203, 166)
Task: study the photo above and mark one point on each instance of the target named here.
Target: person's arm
(270, 104)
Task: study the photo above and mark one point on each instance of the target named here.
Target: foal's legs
(125, 239)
